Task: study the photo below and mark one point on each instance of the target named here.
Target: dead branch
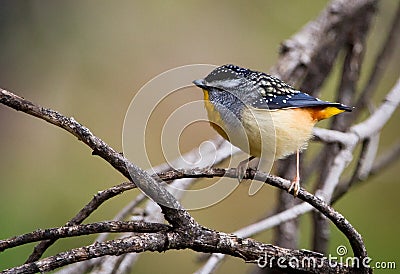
(201, 239)
(307, 56)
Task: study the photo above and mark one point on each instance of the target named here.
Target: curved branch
(178, 239)
(341, 223)
(141, 178)
(202, 240)
(177, 216)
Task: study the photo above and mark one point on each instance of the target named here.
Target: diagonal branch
(171, 207)
(202, 240)
(176, 216)
(341, 223)
(142, 179)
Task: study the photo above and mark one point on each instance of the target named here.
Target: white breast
(277, 132)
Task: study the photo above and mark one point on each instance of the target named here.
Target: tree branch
(79, 230)
(202, 240)
(388, 158)
(342, 224)
(309, 55)
(180, 219)
(99, 147)
(380, 64)
(222, 148)
(379, 118)
(85, 212)
(383, 114)
(141, 179)
(314, 48)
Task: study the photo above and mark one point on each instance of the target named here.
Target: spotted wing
(296, 100)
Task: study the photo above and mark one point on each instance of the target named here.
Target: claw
(295, 185)
(242, 168)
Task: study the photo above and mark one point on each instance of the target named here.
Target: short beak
(200, 83)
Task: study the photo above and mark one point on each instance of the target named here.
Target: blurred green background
(86, 59)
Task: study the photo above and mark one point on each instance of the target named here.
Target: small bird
(261, 114)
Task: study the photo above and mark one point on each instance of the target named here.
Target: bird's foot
(295, 185)
(242, 167)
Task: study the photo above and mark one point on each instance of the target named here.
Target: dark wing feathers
(298, 100)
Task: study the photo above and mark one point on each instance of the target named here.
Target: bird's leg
(242, 167)
(295, 184)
